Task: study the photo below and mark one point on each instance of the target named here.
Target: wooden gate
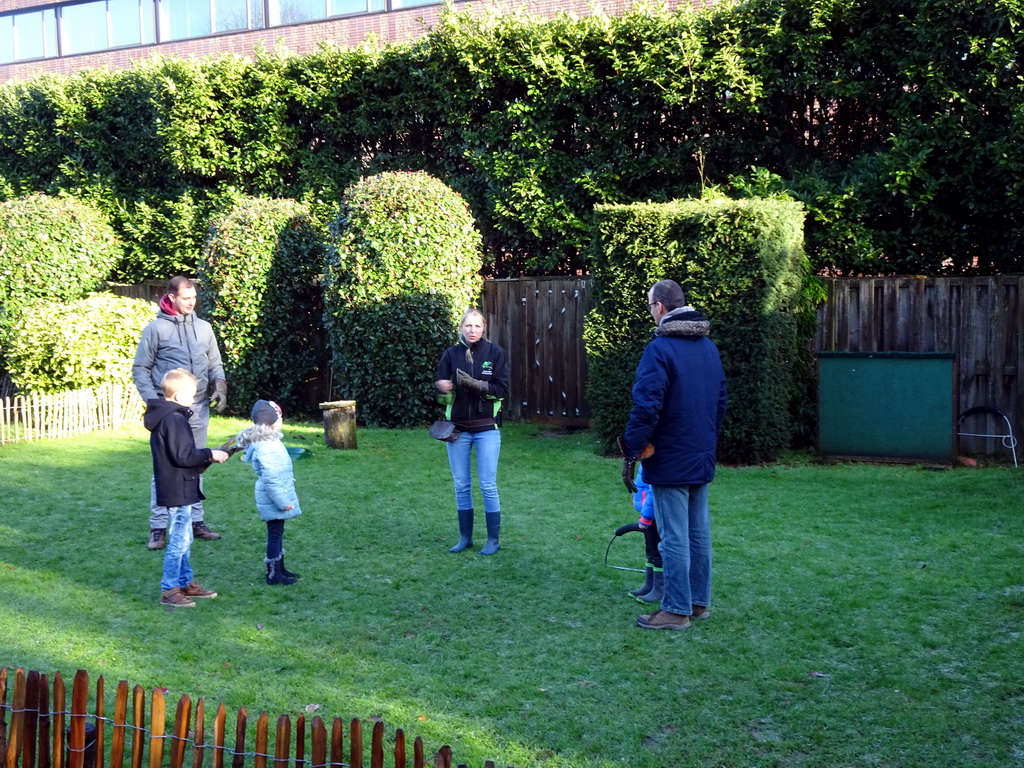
(539, 323)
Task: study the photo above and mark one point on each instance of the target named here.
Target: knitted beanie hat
(265, 412)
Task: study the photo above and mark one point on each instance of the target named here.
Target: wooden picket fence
(62, 414)
(37, 731)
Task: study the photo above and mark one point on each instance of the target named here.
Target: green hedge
(741, 263)
(51, 249)
(898, 125)
(402, 268)
(260, 283)
(65, 345)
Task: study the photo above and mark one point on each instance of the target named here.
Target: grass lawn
(863, 615)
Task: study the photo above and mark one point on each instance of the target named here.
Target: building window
(29, 35)
(87, 26)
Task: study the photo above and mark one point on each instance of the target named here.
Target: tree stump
(340, 423)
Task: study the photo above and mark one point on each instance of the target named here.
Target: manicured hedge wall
(741, 263)
(898, 125)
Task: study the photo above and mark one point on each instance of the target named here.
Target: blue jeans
(488, 446)
(685, 527)
(177, 568)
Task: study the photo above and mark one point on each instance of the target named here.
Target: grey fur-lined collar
(683, 322)
(257, 433)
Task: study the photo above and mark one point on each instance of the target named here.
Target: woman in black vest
(472, 381)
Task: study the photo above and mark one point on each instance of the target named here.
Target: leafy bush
(259, 279)
(57, 345)
(51, 249)
(401, 270)
(741, 263)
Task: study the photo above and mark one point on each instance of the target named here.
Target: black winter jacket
(483, 360)
(177, 462)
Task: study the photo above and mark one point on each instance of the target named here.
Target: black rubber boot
(286, 572)
(465, 531)
(274, 574)
(657, 590)
(493, 531)
(644, 588)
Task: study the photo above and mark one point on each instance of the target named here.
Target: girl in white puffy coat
(276, 500)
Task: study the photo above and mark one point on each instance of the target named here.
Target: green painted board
(886, 405)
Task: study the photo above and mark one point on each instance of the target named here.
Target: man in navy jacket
(679, 401)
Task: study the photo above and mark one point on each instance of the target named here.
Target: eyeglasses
(653, 303)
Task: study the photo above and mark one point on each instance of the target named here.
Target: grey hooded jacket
(176, 341)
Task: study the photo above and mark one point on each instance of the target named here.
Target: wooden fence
(979, 319)
(539, 323)
(40, 417)
(37, 731)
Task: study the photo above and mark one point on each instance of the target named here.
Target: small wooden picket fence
(62, 414)
(42, 733)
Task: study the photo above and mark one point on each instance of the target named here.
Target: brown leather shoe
(174, 598)
(700, 612)
(157, 538)
(194, 589)
(663, 620)
(201, 530)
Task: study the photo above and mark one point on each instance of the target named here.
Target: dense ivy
(899, 125)
(260, 284)
(402, 268)
(65, 345)
(741, 263)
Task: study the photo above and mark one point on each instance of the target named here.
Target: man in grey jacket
(179, 339)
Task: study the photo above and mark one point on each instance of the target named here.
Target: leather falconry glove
(473, 385)
(219, 401)
(629, 463)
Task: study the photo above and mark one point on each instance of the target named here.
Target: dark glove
(628, 473)
(473, 385)
(219, 401)
(629, 463)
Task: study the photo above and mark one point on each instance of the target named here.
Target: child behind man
(276, 500)
(177, 465)
(653, 588)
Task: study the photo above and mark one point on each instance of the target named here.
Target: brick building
(38, 36)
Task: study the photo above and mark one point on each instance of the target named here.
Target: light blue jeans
(684, 523)
(488, 446)
(177, 567)
(200, 423)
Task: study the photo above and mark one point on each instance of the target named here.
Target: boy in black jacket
(177, 464)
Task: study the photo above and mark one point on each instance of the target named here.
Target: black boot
(274, 574)
(465, 531)
(286, 572)
(644, 588)
(493, 530)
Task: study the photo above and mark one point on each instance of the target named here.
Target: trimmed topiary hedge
(259, 277)
(402, 268)
(57, 345)
(741, 263)
(51, 249)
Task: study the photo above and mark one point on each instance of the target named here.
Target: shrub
(57, 346)
(401, 270)
(51, 249)
(741, 263)
(259, 278)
